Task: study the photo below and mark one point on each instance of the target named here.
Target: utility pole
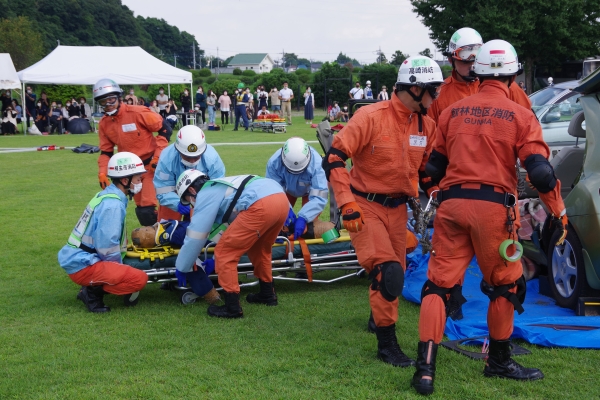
(218, 61)
(194, 53)
(283, 58)
(175, 57)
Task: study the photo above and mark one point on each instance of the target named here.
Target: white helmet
(419, 70)
(106, 87)
(464, 44)
(125, 164)
(368, 82)
(295, 155)
(191, 141)
(497, 58)
(187, 179)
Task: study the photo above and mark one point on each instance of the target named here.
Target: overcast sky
(313, 29)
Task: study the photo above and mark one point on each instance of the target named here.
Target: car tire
(566, 270)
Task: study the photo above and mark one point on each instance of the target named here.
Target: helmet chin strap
(467, 78)
(419, 99)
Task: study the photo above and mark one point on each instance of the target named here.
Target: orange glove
(154, 162)
(352, 217)
(562, 227)
(104, 181)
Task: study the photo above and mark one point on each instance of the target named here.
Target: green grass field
(314, 345)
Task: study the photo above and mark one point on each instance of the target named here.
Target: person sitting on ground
(334, 113)
(56, 117)
(73, 109)
(263, 111)
(41, 119)
(9, 121)
(92, 256)
(18, 109)
(84, 107)
(343, 115)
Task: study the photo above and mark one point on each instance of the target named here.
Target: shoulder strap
(236, 197)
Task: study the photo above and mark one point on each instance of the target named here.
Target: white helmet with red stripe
(125, 164)
(497, 58)
(464, 44)
(190, 141)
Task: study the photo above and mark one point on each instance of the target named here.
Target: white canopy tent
(8, 75)
(85, 65)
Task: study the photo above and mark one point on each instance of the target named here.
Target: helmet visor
(466, 53)
(108, 101)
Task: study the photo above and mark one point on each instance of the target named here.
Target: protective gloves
(291, 218)
(183, 209)
(103, 179)
(209, 266)
(154, 162)
(352, 219)
(181, 281)
(562, 228)
(299, 228)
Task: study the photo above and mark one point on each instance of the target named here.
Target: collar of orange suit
(491, 86)
(400, 109)
(454, 80)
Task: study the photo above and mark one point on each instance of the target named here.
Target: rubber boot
(231, 309)
(265, 296)
(131, 300)
(501, 365)
(371, 327)
(388, 349)
(423, 378)
(93, 298)
(212, 296)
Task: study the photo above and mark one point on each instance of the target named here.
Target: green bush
(204, 72)
(61, 93)
(446, 70)
(224, 84)
(237, 71)
(248, 80)
(198, 81)
(211, 79)
(249, 72)
(356, 69)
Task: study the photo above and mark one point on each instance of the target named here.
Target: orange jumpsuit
(131, 130)
(482, 136)
(388, 150)
(454, 90)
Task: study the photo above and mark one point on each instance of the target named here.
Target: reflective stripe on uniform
(196, 235)
(166, 189)
(318, 193)
(110, 250)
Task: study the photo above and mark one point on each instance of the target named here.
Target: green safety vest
(77, 234)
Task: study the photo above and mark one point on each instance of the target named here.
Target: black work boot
(93, 298)
(131, 300)
(423, 378)
(501, 365)
(231, 309)
(388, 349)
(371, 327)
(265, 296)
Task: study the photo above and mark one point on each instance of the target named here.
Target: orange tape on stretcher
(306, 256)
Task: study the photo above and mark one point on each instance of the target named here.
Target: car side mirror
(551, 116)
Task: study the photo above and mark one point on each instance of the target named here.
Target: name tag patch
(129, 127)
(418, 141)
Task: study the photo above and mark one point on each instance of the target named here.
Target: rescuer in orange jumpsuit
(478, 141)
(130, 129)
(389, 143)
(461, 53)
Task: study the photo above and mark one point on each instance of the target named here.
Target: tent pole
(24, 118)
(169, 87)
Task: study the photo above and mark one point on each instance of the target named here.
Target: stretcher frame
(344, 260)
(269, 126)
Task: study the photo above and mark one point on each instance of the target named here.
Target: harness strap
(503, 290)
(236, 197)
(306, 256)
(485, 193)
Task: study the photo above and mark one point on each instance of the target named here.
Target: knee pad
(430, 288)
(392, 280)
(517, 299)
(146, 215)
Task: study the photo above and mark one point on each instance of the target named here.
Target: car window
(542, 97)
(564, 109)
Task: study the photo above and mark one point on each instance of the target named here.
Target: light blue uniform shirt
(103, 233)
(170, 167)
(211, 205)
(311, 182)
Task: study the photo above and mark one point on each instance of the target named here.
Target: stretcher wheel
(188, 297)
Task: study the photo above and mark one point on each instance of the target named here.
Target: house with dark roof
(258, 62)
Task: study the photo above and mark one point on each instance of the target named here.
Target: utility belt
(147, 160)
(239, 103)
(384, 200)
(485, 193)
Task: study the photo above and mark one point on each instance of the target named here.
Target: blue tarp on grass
(539, 309)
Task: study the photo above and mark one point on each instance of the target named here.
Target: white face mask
(193, 201)
(29, 91)
(136, 188)
(190, 164)
(110, 112)
(68, 104)
(161, 91)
